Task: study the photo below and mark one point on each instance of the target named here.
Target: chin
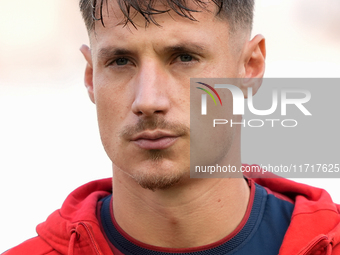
(160, 175)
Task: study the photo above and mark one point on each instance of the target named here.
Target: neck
(176, 218)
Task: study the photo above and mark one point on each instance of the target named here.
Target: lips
(156, 140)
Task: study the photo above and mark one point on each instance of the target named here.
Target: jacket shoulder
(33, 246)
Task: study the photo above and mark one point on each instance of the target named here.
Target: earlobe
(254, 65)
(88, 79)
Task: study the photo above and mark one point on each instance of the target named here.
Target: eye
(121, 61)
(185, 58)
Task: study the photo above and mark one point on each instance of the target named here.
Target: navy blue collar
(129, 248)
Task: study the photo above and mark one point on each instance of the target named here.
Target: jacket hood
(314, 228)
(315, 222)
(74, 229)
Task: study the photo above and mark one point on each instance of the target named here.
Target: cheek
(209, 144)
(183, 101)
(110, 95)
(112, 106)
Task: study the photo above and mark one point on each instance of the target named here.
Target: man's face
(141, 87)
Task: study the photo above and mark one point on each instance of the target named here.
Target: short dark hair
(239, 13)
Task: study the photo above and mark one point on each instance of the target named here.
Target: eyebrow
(187, 47)
(109, 52)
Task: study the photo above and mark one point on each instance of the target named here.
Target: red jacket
(74, 229)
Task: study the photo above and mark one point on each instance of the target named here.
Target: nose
(152, 87)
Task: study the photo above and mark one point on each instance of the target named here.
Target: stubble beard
(157, 182)
(162, 179)
(159, 178)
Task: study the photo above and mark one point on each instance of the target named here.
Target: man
(138, 71)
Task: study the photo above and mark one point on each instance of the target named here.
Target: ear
(88, 71)
(254, 64)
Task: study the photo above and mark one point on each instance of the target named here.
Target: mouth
(154, 140)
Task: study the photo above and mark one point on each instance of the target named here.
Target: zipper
(91, 237)
(311, 245)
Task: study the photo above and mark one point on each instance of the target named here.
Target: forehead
(170, 25)
(151, 9)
